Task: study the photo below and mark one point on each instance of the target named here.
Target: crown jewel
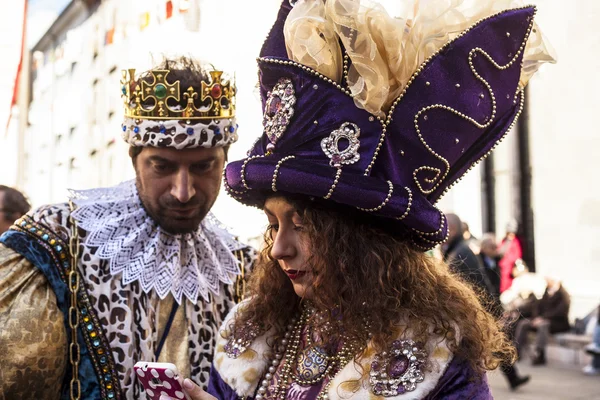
(217, 97)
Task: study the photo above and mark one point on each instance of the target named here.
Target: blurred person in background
(526, 290)
(13, 204)
(550, 315)
(471, 240)
(489, 258)
(141, 271)
(593, 349)
(480, 270)
(510, 250)
(461, 258)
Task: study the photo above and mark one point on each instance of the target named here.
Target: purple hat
(456, 106)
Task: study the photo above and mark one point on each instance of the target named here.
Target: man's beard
(172, 223)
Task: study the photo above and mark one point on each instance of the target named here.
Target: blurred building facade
(69, 118)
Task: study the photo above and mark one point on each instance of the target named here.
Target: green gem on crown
(160, 91)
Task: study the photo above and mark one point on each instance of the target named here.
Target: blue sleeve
(460, 381)
(221, 390)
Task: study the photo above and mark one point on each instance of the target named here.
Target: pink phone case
(159, 378)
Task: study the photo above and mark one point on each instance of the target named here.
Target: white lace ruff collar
(188, 264)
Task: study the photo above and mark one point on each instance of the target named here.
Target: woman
(511, 251)
(368, 120)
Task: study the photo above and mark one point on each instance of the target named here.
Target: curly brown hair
(362, 271)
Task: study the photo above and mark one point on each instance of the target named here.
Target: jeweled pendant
(312, 364)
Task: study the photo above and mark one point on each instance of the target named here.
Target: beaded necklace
(289, 347)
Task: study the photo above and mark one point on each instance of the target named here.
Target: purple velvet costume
(459, 382)
(426, 147)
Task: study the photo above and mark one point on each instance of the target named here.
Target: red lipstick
(294, 274)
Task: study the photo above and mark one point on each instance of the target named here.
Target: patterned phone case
(159, 378)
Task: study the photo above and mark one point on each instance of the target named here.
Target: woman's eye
(298, 227)
(274, 227)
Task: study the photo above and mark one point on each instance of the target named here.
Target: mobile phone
(158, 379)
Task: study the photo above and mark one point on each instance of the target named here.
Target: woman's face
(290, 244)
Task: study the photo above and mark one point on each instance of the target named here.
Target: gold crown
(219, 96)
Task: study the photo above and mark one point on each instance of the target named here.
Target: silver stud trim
(335, 182)
(276, 172)
(243, 170)
(424, 64)
(408, 204)
(439, 177)
(387, 199)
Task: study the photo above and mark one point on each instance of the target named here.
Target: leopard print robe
(129, 316)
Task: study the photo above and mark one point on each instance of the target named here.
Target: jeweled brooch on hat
(347, 133)
(279, 109)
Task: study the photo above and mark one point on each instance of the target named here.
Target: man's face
(489, 248)
(5, 221)
(179, 187)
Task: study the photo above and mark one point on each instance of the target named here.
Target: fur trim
(349, 384)
(244, 373)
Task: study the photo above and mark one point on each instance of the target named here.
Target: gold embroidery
(33, 340)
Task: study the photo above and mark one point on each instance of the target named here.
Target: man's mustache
(173, 203)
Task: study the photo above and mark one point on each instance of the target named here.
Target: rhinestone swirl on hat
(279, 109)
(348, 132)
(399, 370)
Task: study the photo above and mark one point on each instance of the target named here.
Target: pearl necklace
(289, 346)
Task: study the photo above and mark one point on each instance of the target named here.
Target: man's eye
(160, 167)
(202, 167)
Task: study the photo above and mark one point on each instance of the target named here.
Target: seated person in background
(527, 288)
(550, 315)
(594, 349)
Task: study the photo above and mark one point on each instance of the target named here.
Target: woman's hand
(193, 391)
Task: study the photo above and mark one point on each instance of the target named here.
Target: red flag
(169, 9)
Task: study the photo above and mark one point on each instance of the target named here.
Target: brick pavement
(554, 381)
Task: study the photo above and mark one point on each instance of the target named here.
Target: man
(153, 268)
(468, 265)
(13, 204)
(593, 349)
(461, 258)
(489, 259)
(550, 315)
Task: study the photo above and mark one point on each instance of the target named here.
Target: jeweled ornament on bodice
(399, 370)
(239, 342)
